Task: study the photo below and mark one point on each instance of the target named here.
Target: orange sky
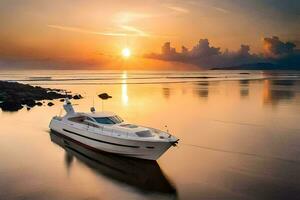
(96, 31)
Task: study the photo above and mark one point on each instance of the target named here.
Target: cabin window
(83, 120)
(78, 119)
(144, 134)
(90, 119)
(109, 120)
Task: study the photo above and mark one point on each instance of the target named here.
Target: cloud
(129, 31)
(208, 6)
(205, 55)
(126, 17)
(134, 30)
(203, 49)
(81, 30)
(178, 9)
(274, 47)
(244, 50)
(126, 31)
(221, 9)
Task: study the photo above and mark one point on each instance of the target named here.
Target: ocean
(239, 137)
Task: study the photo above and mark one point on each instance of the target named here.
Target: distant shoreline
(258, 66)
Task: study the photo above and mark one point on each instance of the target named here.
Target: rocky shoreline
(14, 96)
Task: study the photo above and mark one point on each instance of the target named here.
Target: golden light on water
(124, 89)
(126, 52)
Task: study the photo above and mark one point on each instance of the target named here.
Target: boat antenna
(93, 101)
(93, 107)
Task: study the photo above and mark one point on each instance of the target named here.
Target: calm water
(239, 137)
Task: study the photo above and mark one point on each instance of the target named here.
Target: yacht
(106, 131)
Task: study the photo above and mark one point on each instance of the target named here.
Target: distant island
(14, 95)
(257, 66)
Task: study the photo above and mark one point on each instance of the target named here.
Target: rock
(50, 104)
(29, 102)
(56, 90)
(11, 106)
(28, 108)
(104, 96)
(13, 95)
(62, 100)
(77, 97)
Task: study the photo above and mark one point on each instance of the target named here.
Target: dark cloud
(244, 50)
(203, 49)
(274, 47)
(276, 52)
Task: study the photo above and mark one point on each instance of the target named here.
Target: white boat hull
(149, 150)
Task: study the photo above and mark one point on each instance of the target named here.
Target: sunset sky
(81, 33)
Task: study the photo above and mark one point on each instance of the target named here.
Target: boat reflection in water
(144, 175)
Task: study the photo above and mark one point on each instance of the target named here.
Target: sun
(126, 53)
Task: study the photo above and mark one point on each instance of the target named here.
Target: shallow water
(239, 137)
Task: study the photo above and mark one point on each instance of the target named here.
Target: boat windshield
(108, 120)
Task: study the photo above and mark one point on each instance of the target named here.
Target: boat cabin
(101, 118)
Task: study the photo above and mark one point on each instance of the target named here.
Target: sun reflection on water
(124, 89)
